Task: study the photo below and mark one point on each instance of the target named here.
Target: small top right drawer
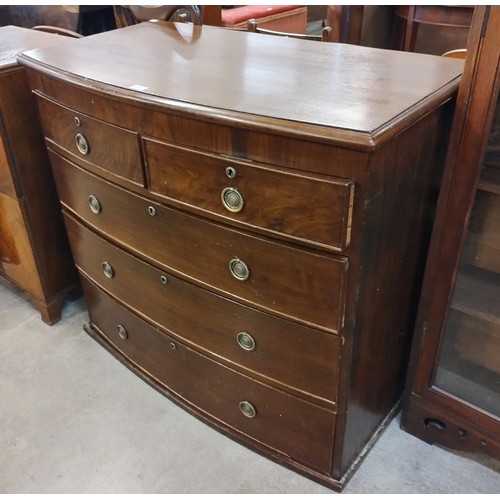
(313, 209)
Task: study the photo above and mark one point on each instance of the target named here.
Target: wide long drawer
(312, 209)
(235, 334)
(103, 145)
(306, 286)
(238, 404)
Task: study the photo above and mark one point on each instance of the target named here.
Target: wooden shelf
(482, 245)
(490, 180)
(475, 339)
(474, 321)
(477, 293)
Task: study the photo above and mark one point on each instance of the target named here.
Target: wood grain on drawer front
(305, 286)
(308, 359)
(287, 424)
(311, 209)
(111, 148)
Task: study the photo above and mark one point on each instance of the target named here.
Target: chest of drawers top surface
(337, 86)
(14, 40)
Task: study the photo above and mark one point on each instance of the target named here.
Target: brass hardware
(232, 199)
(107, 270)
(231, 172)
(122, 332)
(248, 409)
(151, 210)
(94, 204)
(77, 121)
(173, 346)
(163, 280)
(82, 143)
(245, 341)
(239, 269)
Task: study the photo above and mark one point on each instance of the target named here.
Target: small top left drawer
(90, 140)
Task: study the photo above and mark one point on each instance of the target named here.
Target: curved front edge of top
(264, 82)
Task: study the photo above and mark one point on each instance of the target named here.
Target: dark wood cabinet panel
(453, 392)
(283, 297)
(34, 250)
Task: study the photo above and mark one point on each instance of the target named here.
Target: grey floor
(75, 420)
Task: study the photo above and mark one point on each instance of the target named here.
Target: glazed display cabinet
(454, 389)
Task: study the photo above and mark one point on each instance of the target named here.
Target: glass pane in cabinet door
(469, 364)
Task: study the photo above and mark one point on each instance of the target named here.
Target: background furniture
(421, 28)
(57, 31)
(346, 21)
(451, 20)
(250, 239)
(325, 36)
(127, 15)
(34, 251)
(286, 18)
(84, 19)
(453, 394)
(456, 53)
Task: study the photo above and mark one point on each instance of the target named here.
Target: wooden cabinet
(250, 229)
(34, 250)
(454, 389)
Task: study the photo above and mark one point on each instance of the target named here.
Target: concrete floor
(75, 420)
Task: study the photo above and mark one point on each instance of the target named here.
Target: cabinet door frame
(476, 101)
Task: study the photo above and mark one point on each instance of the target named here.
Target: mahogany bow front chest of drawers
(249, 216)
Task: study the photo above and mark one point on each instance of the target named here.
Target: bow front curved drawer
(91, 141)
(233, 333)
(256, 271)
(252, 410)
(253, 194)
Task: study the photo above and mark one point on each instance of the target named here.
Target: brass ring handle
(232, 199)
(248, 409)
(239, 269)
(82, 144)
(122, 332)
(94, 204)
(107, 270)
(245, 341)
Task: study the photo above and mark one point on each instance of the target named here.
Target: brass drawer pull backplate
(245, 341)
(232, 199)
(107, 270)
(239, 269)
(82, 144)
(248, 409)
